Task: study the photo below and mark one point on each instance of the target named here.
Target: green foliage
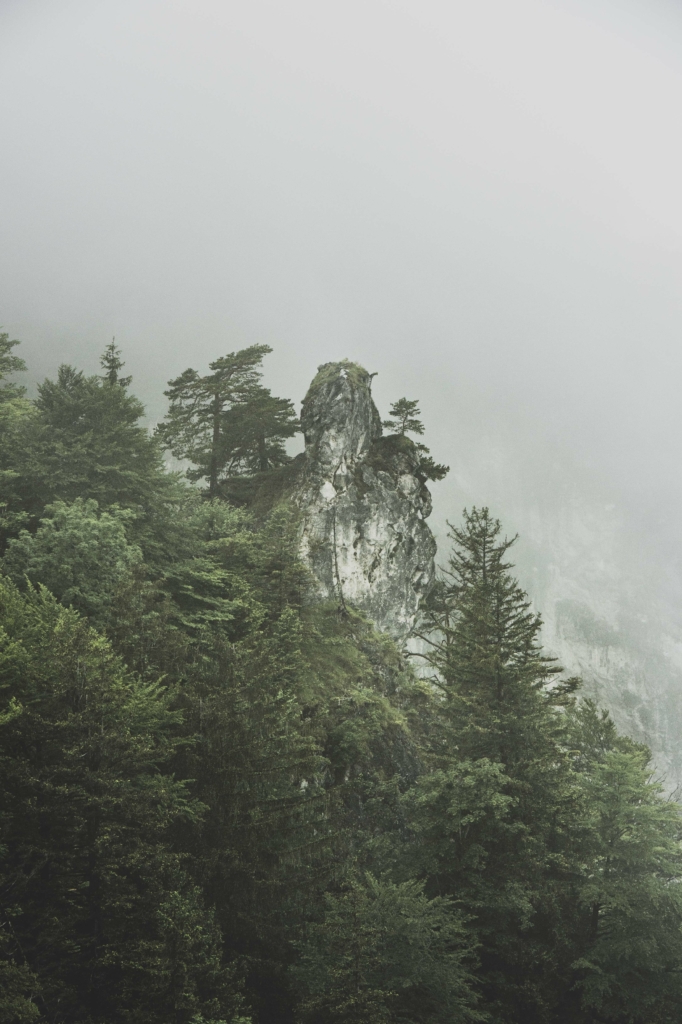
(404, 418)
(88, 441)
(79, 553)
(383, 952)
(328, 372)
(495, 812)
(87, 811)
(629, 907)
(226, 422)
(232, 804)
(19, 987)
(428, 468)
(483, 640)
(9, 364)
(112, 364)
(14, 409)
(82, 439)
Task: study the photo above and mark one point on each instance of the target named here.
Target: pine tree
(403, 417)
(226, 422)
(484, 643)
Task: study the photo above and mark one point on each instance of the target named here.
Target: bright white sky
(481, 201)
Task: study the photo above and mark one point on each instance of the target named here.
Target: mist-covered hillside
(226, 797)
(602, 572)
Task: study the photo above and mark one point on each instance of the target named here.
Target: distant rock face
(606, 622)
(364, 504)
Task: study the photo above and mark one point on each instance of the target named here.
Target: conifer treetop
(403, 417)
(112, 364)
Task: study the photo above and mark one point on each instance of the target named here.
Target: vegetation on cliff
(221, 803)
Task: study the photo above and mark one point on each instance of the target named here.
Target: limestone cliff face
(364, 504)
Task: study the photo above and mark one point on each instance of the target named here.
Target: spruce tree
(483, 638)
(493, 814)
(112, 364)
(9, 365)
(83, 438)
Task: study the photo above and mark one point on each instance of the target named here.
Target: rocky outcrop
(363, 503)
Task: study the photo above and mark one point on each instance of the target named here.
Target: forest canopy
(224, 803)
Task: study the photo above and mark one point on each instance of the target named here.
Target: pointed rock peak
(338, 415)
(363, 505)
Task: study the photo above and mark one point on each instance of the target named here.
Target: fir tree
(112, 364)
(484, 643)
(230, 787)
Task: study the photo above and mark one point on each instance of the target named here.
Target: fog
(480, 201)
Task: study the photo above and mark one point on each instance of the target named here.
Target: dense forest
(222, 802)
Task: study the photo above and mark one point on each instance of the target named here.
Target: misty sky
(480, 201)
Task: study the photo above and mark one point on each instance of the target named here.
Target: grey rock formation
(607, 620)
(364, 504)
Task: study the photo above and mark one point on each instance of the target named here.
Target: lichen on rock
(364, 504)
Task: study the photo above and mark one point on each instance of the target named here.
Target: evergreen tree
(484, 644)
(403, 418)
(493, 815)
(226, 422)
(430, 469)
(10, 364)
(112, 364)
(626, 921)
(383, 952)
(83, 438)
(96, 901)
(79, 553)
(291, 814)
(295, 732)
(14, 410)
